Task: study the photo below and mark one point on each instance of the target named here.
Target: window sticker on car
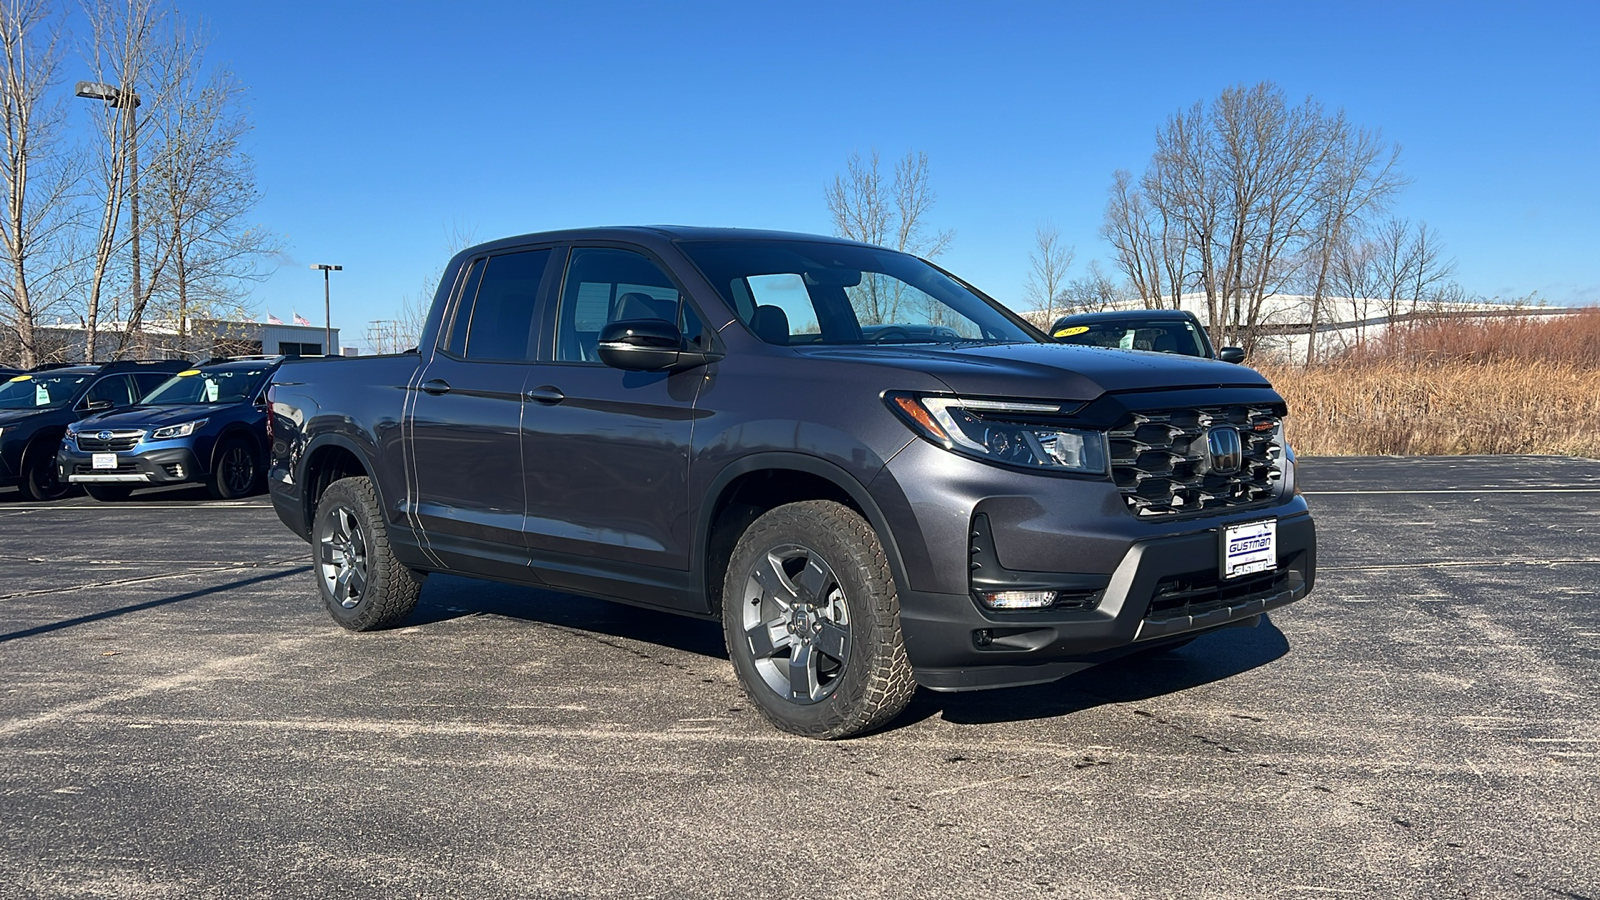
(1069, 332)
(211, 391)
(23, 378)
(187, 372)
(41, 394)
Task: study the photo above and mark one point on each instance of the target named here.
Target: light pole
(327, 308)
(94, 90)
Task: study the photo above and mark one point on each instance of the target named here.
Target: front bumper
(1164, 588)
(175, 465)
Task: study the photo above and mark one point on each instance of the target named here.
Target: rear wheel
(108, 493)
(234, 471)
(812, 621)
(360, 582)
(39, 481)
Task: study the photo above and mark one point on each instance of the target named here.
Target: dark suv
(37, 406)
(872, 474)
(206, 424)
(1158, 330)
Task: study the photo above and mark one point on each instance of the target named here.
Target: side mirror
(1231, 354)
(648, 345)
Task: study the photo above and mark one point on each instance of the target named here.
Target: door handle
(436, 387)
(545, 394)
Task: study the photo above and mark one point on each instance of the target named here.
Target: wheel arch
(754, 484)
(237, 430)
(327, 459)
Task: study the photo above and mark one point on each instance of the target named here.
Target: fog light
(1018, 599)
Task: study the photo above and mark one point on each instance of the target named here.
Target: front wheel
(39, 481)
(812, 620)
(360, 582)
(234, 472)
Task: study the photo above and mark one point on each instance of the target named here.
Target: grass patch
(1452, 387)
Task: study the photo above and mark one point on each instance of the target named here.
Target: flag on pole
(273, 320)
(301, 320)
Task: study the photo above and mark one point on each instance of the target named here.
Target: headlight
(176, 431)
(998, 431)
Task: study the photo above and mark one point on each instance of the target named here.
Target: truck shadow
(1213, 657)
(446, 597)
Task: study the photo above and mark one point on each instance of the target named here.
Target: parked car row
(113, 427)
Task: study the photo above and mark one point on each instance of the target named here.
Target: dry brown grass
(1454, 388)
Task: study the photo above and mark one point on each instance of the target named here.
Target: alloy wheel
(797, 624)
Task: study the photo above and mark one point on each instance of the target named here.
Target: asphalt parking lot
(178, 718)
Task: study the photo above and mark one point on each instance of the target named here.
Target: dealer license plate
(105, 460)
(1249, 547)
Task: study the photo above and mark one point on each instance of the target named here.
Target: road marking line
(1465, 564)
(140, 579)
(210, 671)
(1465, 491)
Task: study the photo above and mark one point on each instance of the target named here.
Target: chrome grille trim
(124, 439)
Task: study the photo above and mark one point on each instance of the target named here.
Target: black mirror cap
(1231, 354)
(648, 345)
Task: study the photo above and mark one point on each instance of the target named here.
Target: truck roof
(652, 233)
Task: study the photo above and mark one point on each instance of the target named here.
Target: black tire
(235, 470)
(812, 579)
(39, 481)
(360, 582)
(108, 493)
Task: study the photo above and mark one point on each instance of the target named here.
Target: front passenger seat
(771, 324)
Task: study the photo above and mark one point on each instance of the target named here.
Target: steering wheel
(887, 334)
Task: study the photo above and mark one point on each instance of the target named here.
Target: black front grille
(89, 442)
(1198, 593)
(1164, 465)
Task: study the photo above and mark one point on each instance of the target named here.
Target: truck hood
(1047, 371)
(147, 417)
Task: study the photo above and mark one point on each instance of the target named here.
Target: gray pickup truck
(871, 473)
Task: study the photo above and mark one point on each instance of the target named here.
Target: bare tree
(894, 215)
(202, 189)
(120, 54)
(1047, 272)
(1229, 203)
(1094, 292)
(1359, 178)
(38, 178)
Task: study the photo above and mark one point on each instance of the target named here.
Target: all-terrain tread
(883, 690)
(393, 588)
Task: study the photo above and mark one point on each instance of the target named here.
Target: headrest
(639, 305)
(771, 324)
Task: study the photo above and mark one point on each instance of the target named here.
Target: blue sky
(381, 128)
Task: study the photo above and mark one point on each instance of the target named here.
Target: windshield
(803, 292)
(218, 386)
(1177, 336)
(39, 391)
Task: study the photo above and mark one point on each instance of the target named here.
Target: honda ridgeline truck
(874, 475)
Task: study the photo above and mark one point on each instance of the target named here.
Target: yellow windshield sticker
(187, 372)
(1069, 332)
(23, 378)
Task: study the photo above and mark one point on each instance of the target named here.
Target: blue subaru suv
(203, 425)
